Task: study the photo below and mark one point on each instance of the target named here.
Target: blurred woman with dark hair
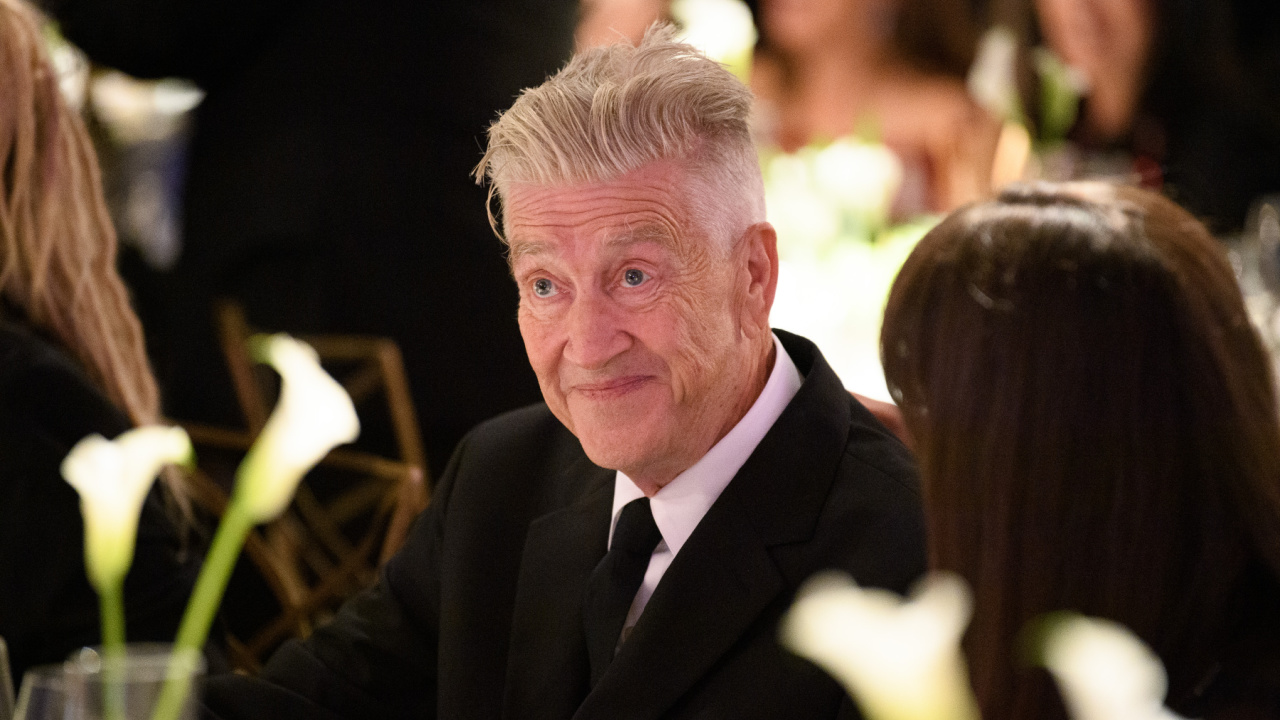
(72, 362)
(1097, 430)
(1191, 89)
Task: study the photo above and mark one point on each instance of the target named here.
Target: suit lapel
(724, 578)
(547, 668)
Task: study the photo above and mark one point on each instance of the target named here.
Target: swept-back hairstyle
(613, 109)
(1097, 431)
(57, 244)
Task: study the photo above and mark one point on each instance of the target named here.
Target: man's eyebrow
(647, 232)
(520, 249)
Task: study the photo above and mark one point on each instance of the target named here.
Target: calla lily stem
(111, 608)
(205, 598)
(212, 583)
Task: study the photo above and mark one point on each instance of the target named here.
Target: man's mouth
(607, 389)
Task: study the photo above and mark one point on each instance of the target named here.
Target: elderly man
(626, 549)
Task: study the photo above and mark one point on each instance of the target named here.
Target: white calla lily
(1104, 672)
(899, 659)
(314, 414)
(113, 478)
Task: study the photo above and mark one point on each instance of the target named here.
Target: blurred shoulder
(518, 429)
(43, 390)
(528, 441)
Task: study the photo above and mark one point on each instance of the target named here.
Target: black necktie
(614, 583)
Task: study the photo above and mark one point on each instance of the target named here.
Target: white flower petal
(113, 478)
(314, 414)
(900, 659)
(1104, 671)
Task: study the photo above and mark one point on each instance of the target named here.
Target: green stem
(205, 598)
(215, 574)
(111, 608)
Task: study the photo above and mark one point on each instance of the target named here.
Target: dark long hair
(1097, 431)
(1209, 104)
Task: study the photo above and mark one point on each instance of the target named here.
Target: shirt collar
(679, 506)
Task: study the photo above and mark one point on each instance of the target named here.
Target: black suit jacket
(479, 616)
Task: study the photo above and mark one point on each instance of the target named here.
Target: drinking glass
(43, 695)
(94, 686)
(131, 685)
(6, 683)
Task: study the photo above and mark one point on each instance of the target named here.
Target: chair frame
(308, 540)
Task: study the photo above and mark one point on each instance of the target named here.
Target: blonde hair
(614, 109)
(57, 244)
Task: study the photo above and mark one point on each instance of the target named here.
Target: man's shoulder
(526, 454)
(872, 520)
(851, 487)
(833, 418)
(876, 450)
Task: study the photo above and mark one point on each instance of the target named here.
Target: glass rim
(140, 662)
(47, 672)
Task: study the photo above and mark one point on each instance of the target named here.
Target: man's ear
(759, 247)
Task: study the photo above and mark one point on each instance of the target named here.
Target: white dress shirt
(679, 506)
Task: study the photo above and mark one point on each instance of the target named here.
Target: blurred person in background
(1097, 429)
(891, 70)
(604, 22)
(327, 186)
(72, 363)
(888, 71)
(1191, 89)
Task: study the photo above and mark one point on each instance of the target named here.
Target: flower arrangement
(314, 414)
(839, 249)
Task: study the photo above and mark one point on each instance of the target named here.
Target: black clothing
(480, 615)
(47, 607)
(613, 585)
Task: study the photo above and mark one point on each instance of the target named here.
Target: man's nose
(595, 331)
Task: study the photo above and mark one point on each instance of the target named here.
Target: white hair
(614, 109)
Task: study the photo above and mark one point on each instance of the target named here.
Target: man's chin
(622, 433)
(614, 453)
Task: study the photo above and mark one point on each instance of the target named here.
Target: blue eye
(543, 288)
(634, 277)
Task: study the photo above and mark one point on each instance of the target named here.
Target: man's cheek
(534, 332)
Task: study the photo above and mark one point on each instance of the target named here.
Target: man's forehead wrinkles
(616, 223)
(648, 232)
